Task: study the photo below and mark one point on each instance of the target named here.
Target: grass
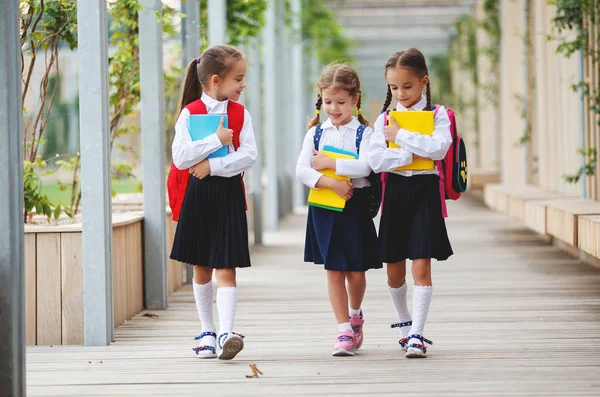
(56, 196)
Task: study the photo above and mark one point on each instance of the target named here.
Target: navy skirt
(213, 230)
(344, 241)
(412, 225)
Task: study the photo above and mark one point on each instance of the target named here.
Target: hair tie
(358, 111)
(198, 59)
(318, 111)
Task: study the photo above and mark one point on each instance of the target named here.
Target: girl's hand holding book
(225, 135)
(321, 162)
(201, 170)
(391, 131)
(344, 189)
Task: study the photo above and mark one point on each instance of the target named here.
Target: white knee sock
(226, 303)
(203, 294)
(421, 300)
(399, 298)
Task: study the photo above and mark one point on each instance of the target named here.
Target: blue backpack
(374, 190)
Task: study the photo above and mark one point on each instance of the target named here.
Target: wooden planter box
(135, 202)
(54, 279)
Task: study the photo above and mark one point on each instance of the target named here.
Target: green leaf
(57, 211)
(47, 211)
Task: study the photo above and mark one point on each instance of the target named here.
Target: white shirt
(434, 146)
(187, 153)
(343, 138)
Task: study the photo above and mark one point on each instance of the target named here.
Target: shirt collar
(212, 103)
(417, 106)
(353, 124)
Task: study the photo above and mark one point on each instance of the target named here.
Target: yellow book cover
(327, 198)
(421, 122)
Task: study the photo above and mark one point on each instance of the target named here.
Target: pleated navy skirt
(213, 230)
(345, 241)
(412, 225)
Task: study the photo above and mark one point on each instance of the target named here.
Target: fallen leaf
(255, 371)
(151, 315)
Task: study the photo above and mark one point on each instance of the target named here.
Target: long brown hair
(411, 59)
(217, 60)
(343, 77)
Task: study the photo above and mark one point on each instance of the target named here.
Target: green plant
(32, 193)
(320, 28)
(577, 16)
(245, 19)
(124, 86)
(587, 169)
(45, 25)
(490, 24)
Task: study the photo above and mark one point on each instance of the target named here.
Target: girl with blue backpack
(412, 221)
(345, 242)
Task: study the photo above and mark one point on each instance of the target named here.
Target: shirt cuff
(402, 136)
(313, 179)
(215, 142)
(216, 166)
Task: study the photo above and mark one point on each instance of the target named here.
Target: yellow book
(417, 121)
(327, 198)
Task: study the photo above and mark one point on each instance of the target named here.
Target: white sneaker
(230, 345)
(206, 350)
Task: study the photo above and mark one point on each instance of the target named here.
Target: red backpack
(177, 180)
(452, 169)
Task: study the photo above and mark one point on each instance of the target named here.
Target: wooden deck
(511, 316)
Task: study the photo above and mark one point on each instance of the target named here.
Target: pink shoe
(357, 326)
(344, 345)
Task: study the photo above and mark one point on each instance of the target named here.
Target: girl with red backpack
(207, 194)
(412, 221)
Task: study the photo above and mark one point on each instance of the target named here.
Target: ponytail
(191, 86)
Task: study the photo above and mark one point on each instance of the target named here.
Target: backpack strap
(359, 136)
(235, 111)
(196, 107)
(317, 137)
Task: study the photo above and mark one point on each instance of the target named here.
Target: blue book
(332, 149)
(204, 125)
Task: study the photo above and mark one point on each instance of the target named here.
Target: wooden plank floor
(511, 316)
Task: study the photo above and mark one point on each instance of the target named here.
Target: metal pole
(217, 22)
(298, 100)
(95, 173)
(190, 31)
(12, 263)
(255, 110)
(271, 109)
(153, 156)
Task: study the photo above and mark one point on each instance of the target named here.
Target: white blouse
(384, 159)
(187, 153)
(343, 138)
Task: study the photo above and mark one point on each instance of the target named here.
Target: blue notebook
(332, 149)
(203, 125)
